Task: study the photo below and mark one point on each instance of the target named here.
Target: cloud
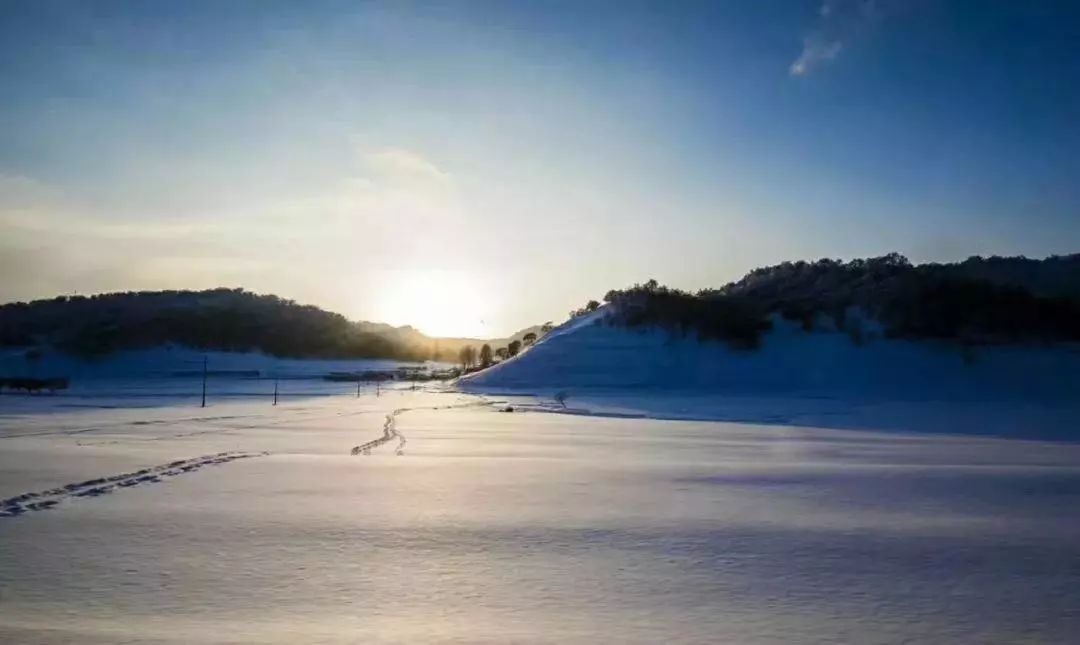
(390, 207)
(385, 198)
(401, 164)
(816, 51)
(839, 22)
(19, 192)
(30, 208)
(55, 241)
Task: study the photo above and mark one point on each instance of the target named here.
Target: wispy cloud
(388, 194)
(30, 208)
(816, 51)
(838, 23)
(389, 206)
(54, 241)
(400, 163)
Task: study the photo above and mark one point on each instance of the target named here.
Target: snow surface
(819, 378)
(244, 522)
(680, 493)
(171, 375)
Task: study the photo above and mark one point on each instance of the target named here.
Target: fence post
(204, 381)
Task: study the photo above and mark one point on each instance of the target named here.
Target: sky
(473, 168)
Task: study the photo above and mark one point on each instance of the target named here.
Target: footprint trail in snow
(390, 430)
(44, 500)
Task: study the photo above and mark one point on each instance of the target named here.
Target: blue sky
(392, 160)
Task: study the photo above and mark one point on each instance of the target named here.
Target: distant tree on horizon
(513, 348)
(467, 357)
(589, 307)
(529, 338)
(486, 356)
(502, 353)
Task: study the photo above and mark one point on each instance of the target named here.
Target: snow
(168, 360)
(671, 509)
(523, 527)
(818, 379)
(588, 353)
(173, 374)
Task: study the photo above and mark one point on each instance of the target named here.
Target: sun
(437, 302)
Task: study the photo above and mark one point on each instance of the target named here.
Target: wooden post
(358, 386)
(275, 390)
(204, 381)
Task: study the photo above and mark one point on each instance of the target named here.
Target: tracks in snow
(391, 432)
(44, 500)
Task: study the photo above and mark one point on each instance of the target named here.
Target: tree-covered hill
(993, 300)
(220, 319)
(979, 300)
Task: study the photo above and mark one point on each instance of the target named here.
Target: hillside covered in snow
(594, 352)
(868, 328)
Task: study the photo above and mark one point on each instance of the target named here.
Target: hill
(1000, 300)
(216, 319)
(879, 326)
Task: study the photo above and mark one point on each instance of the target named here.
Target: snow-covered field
(173, 376)
(244, 522)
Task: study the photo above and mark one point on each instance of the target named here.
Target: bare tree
(485, 356)
(467, 357)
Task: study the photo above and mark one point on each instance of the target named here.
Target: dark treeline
(216, 319)
(737, 321)
(980, 300)
(977, 301)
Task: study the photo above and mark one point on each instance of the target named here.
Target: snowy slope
(587, 353)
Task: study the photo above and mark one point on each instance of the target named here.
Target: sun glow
(438, 303)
